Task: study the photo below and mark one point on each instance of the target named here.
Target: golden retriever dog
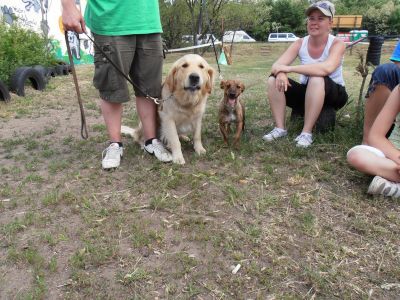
(184, 96)
(231, 110)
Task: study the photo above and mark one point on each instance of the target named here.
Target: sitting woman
(321, 80)
(382, 156)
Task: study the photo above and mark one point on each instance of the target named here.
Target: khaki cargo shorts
(140, 56)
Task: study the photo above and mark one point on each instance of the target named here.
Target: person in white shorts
(381, 157)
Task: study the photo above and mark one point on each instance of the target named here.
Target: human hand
(72, 18)
(282, 82)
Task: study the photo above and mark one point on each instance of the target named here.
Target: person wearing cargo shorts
(129, 32)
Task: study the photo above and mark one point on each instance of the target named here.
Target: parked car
(282, 37)
(237, 36)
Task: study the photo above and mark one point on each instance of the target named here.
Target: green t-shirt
(123, 17)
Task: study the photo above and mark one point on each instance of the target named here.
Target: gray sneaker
(304, 140)
(112, 156)
(382, 186)
(274, 134)
(157, 149)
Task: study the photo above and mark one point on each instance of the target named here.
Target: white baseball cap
(326, 7)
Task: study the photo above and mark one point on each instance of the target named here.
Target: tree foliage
(260, 17)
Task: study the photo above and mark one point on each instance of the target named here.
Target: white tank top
(305, 58)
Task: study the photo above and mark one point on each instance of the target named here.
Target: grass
(297, 221)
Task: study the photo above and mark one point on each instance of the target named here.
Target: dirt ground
(268, 221)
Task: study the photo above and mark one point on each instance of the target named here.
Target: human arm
(319, 69)
(282, 81)
(381, 125)
(72, 17)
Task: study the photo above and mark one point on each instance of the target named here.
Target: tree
(290, 14)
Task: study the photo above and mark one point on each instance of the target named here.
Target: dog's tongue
(232, 101)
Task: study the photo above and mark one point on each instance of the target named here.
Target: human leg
(293, 97)
(277, 102)
(146, 72)
(113, 92)
(372, 161)
(314, 100)
(383, 80)
(112, 114)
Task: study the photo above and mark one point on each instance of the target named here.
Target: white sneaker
(157, 149)
(304, 140)
(382, 186)
(112, 156)
(274, 134)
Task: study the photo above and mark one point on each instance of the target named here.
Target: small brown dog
(231, 110)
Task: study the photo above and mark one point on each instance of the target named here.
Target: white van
(237, 36)
(282, 37)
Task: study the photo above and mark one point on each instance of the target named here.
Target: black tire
(44, 71)
(326, 120)
(65, 69)
(4, 92)
(59, 70)
(21, 75)
(51, 72)
(69, 69)
(374, 50)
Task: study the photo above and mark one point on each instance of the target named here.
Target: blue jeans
(385, 74)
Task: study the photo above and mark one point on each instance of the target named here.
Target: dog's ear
(170, 80)
(210, 81)
(222, 84)
(242, 87)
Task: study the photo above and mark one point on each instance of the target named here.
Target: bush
(21, 47)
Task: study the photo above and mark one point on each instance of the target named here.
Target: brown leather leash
(84, 132)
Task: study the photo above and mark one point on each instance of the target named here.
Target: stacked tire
(22, 75)
(375, 49)
(4, 92)
(37, 75)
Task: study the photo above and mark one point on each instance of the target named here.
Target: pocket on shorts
(152, 45)
(105, 76)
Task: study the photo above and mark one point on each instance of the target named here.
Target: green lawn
(298, 221)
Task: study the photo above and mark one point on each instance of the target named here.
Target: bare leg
(314, 101)
(367, 162)
(147, 111)
(112, 114)
(373, 106)
(277, 102)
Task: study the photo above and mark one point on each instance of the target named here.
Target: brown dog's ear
(222, 84)
(242, 87)
(170, 80)
(210, 81)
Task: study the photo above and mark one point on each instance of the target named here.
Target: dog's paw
(178, 160)
(199, 150)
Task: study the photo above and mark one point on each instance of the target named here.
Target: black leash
(84, 132)
(147, 96)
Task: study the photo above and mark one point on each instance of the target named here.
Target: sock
(149, 141)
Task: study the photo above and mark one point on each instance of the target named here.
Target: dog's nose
(194, 79)
(232, 95)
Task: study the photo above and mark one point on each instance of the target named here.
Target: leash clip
(155, 100)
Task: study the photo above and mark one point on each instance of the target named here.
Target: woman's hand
(282, 82)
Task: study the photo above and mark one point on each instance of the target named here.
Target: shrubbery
(21, 47)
